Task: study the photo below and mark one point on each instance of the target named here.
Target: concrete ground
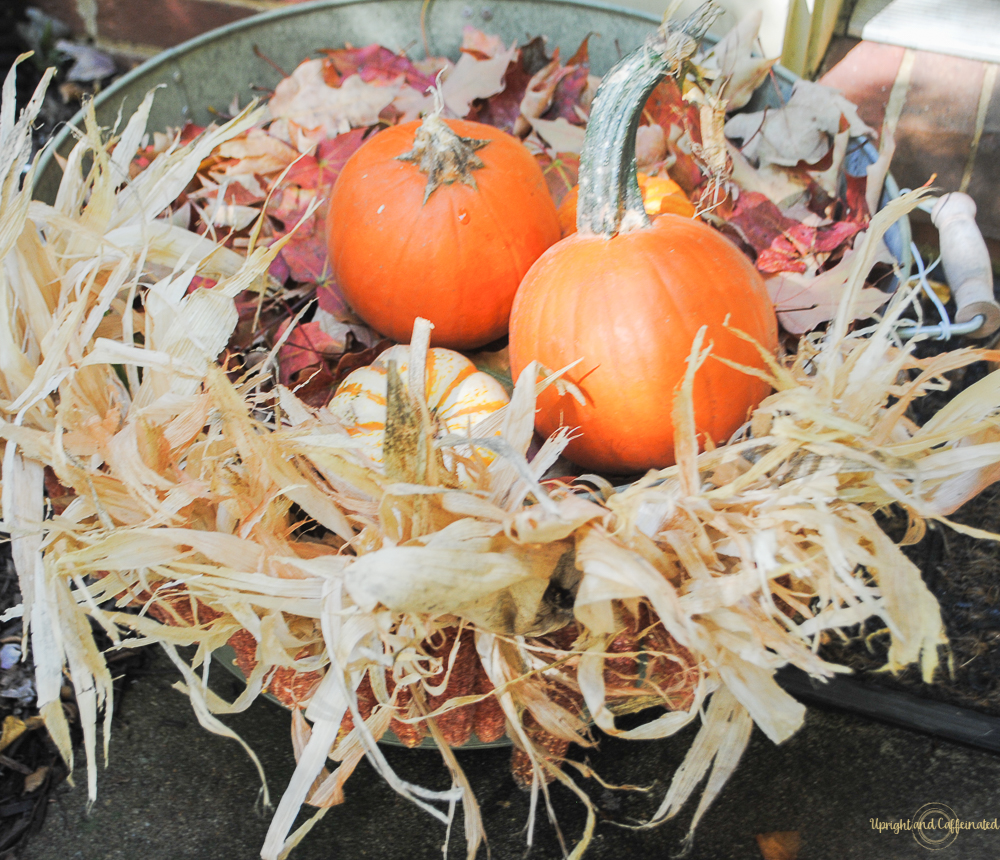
(175, 792)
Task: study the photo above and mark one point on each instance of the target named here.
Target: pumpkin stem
(443, 156)
(610, 201)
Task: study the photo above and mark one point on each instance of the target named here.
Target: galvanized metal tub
(198, 80)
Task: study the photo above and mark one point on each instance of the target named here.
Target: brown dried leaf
(806, 300)
(473, 78)
(801, 132)
(34, 780)
(740, 73)
(780, 845)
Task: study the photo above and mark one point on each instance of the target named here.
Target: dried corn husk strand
(187, 487)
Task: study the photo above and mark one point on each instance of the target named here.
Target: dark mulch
(962, 572)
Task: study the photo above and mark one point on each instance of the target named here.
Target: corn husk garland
(186, 485)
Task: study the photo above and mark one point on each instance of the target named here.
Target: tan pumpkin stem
(443, 156)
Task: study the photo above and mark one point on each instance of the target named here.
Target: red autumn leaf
(374, 64)
(782, 256)
(854, 198)
(331, 300)
(289, 203)
(832, 237)
(802, 247)
(560, 172)
(322, 169)
(305, 254)
(666, 106)
(198, 283)
(189, 131)
(503, 109)
(307, 346)
(566, 98)
(759, 221)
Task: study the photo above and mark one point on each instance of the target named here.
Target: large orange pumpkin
(440, 220)
(628, 297)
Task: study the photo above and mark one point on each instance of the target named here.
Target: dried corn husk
(188, 484)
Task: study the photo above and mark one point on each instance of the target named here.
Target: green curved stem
(610, 201)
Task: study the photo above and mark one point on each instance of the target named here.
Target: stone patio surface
(175, 792)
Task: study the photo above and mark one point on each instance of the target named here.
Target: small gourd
(628, 297)
(439, 219)
(458, 397)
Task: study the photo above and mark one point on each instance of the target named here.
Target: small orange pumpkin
(440, 220)
(660, 196)
(458, 396)
(628, 297)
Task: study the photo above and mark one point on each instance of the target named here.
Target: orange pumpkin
(660, 196)
(458, 396)
(628, 297)
(440, 220)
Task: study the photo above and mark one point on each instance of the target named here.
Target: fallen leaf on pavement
(780, 845)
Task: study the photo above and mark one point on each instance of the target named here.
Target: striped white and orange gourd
(458, 397)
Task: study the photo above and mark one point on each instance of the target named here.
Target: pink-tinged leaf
(200, 283)
(480, 44)
(304, 98)
(831, 237)
(855, 198)
(758, 221)
(289, 203)
(321, 170)
(804, 301)
(473, 79)
(307, 346)
(801, 247)
(374, 64)
(571, 87)
(331, 300)
(538, 96)
(255, 152)
(561, 173)
(306, 256)
(780, 257)
(279, 270)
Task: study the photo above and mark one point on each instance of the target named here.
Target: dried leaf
(33, 781)
(800, 132)
(780, 845)
(740, 72)
(806, 300)
(473, 79)
(306, 99)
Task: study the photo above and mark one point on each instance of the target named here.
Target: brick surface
(866, 75)
(161, 23)
(164, 23)
(936, 126)
(985, 181)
